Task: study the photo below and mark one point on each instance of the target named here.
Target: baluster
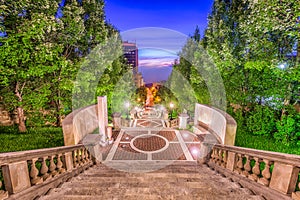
(224, 158)
(239, 164)
(78, 157)
(216, 154)
(52, 166)
(44, 169)
(60, 164)
(34, 172)
(247, 166)
(75, 159)
(220, 157)
(213, 155)
(255, 170)
(87, 155)
(83, 156)
(265, 180)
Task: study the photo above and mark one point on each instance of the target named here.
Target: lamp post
(171, 106)
(127, 104)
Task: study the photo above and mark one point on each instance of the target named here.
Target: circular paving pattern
(149, 143)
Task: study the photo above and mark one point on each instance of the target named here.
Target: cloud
(156, 38)
(156, 58)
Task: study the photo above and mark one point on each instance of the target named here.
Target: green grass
(34, 138)
(264, 143)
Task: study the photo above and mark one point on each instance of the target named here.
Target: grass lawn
(264, 143)
(34, 138)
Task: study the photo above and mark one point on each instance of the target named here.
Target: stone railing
(79, 123)
(215, 121)
(30, 174)
(174, 123)
(273, 175)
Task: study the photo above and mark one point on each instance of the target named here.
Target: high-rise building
(130, 52)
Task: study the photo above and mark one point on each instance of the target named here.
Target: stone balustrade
(277, 172)
(174, 123)
(29, 174)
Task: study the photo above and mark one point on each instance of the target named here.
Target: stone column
(183, 120)
(284, 178)
(103, 119)
(117, 120)
(16, 177)
(205, 153)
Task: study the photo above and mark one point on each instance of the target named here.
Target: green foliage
(42, 55)
(34, 138)
(261, 121)
(288, 129)
(248, 41)
(268, 143)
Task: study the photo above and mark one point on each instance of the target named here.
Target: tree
(249, 42)
(27, 54)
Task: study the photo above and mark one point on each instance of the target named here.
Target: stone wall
(80, 123)
(217, 122)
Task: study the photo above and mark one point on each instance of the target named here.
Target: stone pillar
(133, 114)
(284, 178)
(117, 120)
(95, 151)
(183, 120)
(103, 119)
(16, 177)
(205, 152)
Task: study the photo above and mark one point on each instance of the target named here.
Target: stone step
(123, 194)
(189, 181)
(130, 184)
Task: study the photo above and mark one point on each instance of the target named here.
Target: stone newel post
(103, 119)
(183, 120)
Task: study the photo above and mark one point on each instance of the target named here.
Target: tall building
(130, 52)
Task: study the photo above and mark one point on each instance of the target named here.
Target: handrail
(276, 171)
(280, 157)
(12, 157)
(29, 174)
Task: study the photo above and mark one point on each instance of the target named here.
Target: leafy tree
(27, 55)
(251, 43)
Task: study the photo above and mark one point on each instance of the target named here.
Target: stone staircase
(182, 180)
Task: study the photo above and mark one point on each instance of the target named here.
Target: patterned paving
(149, 143)
(146, 123)
(154, 145)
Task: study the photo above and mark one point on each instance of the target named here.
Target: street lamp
(127, 104)
(171, 106)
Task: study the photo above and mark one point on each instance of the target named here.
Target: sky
(170, 22)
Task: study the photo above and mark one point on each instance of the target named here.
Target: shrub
(261, 120)
(288, 129)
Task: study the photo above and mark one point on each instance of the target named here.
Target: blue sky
(158, 47)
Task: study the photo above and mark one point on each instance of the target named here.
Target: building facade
(131, 53)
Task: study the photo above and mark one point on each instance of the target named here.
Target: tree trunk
(21, 118)
(20, 110)
(58, 115)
